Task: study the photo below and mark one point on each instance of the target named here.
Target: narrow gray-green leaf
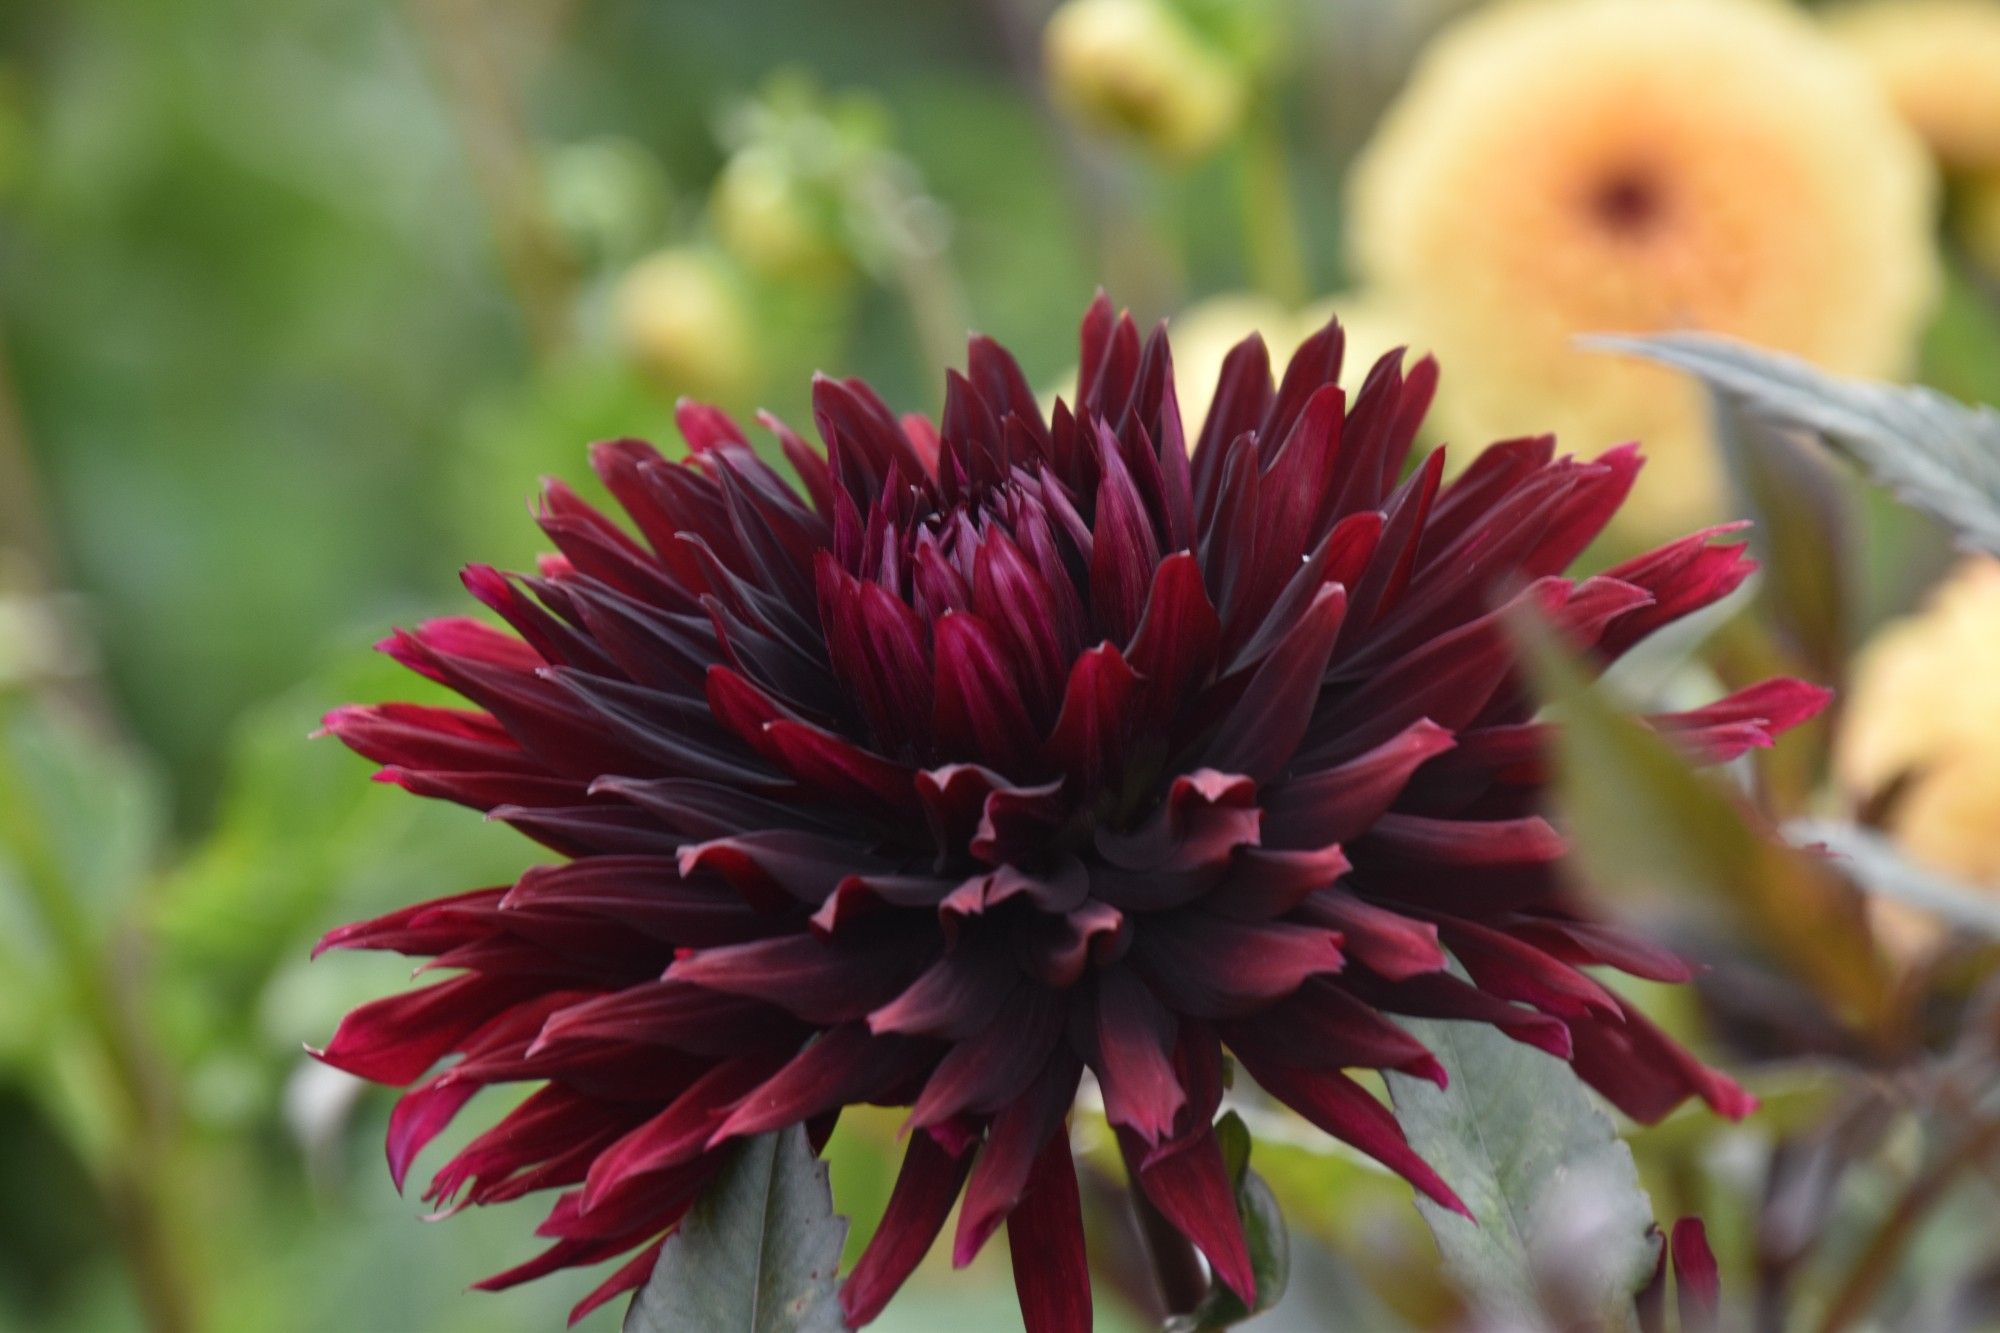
(757, 1252)
(1562, 1221)
(1937, 455)
(1801, 533)
(1878, 866)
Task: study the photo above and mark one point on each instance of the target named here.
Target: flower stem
(1270, 208)
(481, 99)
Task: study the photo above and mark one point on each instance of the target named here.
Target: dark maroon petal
(958, 995)
(983, 1072)
(1045, 1240)
(1645, 1073)
(1341, 1107)
(1388, 943)
(979, 709)
(1697, 1282)
(1212, 967)
(1188, 1181)
(926, 1188)
(845, 1064)
(1325, 1027)
(1259, 735)
(1091, 732)
(1013, 1142)
(395, 1040)
(820, 980)
(1174, 648)
(1124, 549)
(1342, 802)
(1135, 1044)
(420, 1116)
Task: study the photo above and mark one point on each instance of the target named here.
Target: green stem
(481, 99)
(1877, 1264)
(1270, 209)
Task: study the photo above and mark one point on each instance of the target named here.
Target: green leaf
(1939, 456)
(1878, 866)
(1802, 533)
(1264, 1231)
(757, 1253)
(1654, 835)
(1561, 1220)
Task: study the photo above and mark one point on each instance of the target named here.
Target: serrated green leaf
(1939, 456)
(1561, 1219)
(757, 1253)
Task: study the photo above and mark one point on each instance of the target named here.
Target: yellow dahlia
(1940, 61)
(1923, 718)
(1564, 166)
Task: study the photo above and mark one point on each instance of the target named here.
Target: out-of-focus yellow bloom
(1560, 167)
(683, 317)
(1940, 61)
(1138, 69)
(1924, 712)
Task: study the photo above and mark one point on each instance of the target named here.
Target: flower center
(1628, 203)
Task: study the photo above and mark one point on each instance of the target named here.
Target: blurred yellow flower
(682, 315)
(1924, 712)
(1565, 166)
(1138, 69)
(1940, 61)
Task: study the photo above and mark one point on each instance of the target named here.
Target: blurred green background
(298, 300)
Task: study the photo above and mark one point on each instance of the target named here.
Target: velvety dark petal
(1045, 1240)
(925, 1190)
(1212, 967)
(845, 1064)
(820, 980)
(1135, 1043)
(1342, 802)
(1015, 1139)
(1188, 1181)
(1259, 735)
(1341, 1107)
(979, 709)
(1697, 1281)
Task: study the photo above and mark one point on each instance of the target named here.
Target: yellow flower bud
(1136, 68)
(766, 216)
(683, 317)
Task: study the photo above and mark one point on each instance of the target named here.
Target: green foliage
(758, 1252)
(1939, 456)
(1559, 1221)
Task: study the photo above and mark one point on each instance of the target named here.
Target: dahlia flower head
(1003, 751)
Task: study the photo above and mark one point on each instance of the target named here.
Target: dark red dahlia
(1013, 749)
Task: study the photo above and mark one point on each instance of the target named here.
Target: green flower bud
(1138, 69)
(683, 316)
